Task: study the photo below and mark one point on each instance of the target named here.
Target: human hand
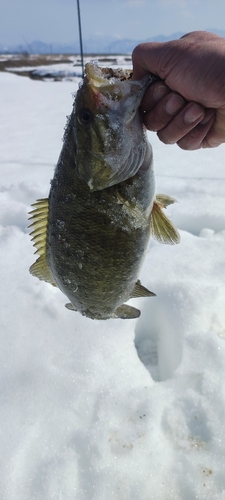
(188, 106)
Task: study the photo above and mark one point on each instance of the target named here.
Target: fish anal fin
(140, 291)
(39, 225)
(126, 312)
(161, 228)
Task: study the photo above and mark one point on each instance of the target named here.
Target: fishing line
(80, 36)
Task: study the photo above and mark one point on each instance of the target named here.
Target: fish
(93, 231)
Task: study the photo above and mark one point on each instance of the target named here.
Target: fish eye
(84, 116)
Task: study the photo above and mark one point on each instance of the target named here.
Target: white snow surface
(116, 409)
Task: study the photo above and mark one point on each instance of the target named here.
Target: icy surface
(118, 410)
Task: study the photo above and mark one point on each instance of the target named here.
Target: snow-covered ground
(121, 409)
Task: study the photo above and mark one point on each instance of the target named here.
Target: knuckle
(155, 122)
(188, 144)
(165, 138)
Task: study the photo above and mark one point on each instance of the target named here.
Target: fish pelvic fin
(161, 228)
(39, 225)
(126, 312)
(140, 291)
(70, 307)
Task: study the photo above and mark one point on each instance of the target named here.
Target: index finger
(144, 58)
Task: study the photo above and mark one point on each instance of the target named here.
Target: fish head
(110, 139)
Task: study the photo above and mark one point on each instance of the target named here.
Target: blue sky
(56, 20)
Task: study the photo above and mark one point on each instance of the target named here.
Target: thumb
(145, 58)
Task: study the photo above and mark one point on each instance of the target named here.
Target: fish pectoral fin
(39, 225)
(140, 291)
(70, 306)
(161, 228)
(126, 312)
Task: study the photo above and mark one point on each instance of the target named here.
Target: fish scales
(102, 204)
(99, 235)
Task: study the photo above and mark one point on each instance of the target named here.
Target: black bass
(93, 230)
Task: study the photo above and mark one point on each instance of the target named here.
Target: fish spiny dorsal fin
(126, 312)
(161, 227)
(140, 291)
(39, 225)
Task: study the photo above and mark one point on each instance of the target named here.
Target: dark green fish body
(99, 216)
(97, 240)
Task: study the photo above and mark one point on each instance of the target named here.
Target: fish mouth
(111, 86)
(105, 76)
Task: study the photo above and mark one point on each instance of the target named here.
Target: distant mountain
(95, 44)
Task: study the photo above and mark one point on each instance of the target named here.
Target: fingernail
(160, 92)
(174, 103)
(193, 113)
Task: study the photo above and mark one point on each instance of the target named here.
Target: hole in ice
(147, 349)
(158, 337)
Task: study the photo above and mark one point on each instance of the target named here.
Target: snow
(116, 409)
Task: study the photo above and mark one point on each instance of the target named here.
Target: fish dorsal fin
(126, 312)
(140, 291)
(161, 227)
(39, 225)
(41, 271)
